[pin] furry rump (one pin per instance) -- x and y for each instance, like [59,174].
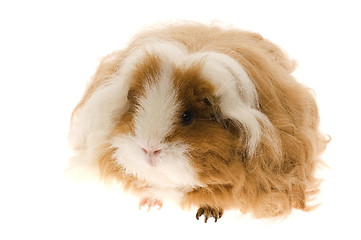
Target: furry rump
[267,177]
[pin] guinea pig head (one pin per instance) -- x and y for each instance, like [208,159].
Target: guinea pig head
[172,118]
[188,121]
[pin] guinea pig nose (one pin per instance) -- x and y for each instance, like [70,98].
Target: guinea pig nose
[151,156]
[152,152]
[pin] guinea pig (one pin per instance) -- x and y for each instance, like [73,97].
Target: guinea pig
[206,116]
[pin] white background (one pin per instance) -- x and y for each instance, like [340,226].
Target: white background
[49,50]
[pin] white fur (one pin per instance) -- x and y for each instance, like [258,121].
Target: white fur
[157,111]
[238,95]
[172,169]
[156,114]
[93,122]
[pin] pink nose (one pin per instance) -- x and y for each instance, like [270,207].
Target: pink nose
[151,155]
[155,152]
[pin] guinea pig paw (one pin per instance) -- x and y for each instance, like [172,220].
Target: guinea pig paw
[208,211]
[150,203]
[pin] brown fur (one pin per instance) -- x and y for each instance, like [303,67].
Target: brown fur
[268,183]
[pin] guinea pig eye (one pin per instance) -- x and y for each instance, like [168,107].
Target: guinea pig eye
[187,118]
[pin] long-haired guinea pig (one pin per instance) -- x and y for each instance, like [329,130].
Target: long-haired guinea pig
[203,115]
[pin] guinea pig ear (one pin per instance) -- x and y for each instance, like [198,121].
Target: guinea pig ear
[238,98]
[104,101]
[207,101]
[232,127]
[131,93]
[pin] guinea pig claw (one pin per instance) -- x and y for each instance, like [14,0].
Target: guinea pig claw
[199,213]
[208,211]
[150,203]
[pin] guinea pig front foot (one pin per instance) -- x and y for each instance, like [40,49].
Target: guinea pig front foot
[150,203]
[208,211]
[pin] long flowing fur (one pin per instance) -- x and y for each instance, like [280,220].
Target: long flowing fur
[277,175]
